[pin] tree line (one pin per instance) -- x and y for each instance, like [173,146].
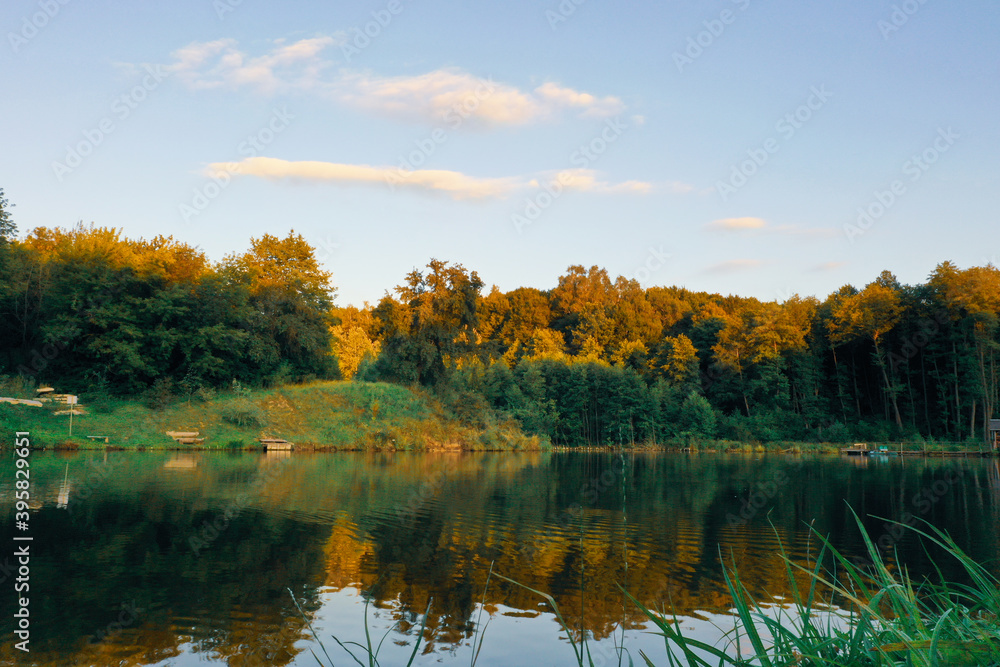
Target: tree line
[598,361]
[89,310]
[590,361]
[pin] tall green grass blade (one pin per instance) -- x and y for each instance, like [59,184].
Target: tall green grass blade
[309,625]
[739,594]
[555,608]
[479,620]
[420,633]
[675,635]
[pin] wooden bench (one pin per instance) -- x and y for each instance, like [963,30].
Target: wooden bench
[98,437]
[185,437]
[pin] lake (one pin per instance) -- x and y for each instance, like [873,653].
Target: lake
[142,558]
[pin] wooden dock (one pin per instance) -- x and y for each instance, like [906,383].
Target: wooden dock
[861,449]
[857,449]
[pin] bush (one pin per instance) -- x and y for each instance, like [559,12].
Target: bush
[17,386]
[837,432]
[244,414]
[204,395]
[697,416]
[159,395]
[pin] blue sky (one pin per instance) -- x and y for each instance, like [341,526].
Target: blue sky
[724,146]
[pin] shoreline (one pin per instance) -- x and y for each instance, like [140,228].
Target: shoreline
[826,449]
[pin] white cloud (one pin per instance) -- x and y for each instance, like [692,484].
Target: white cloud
[558,96]
[455,184]
[220,64]
[732,224]
[440,95]
[452,183]
[443,95]
[762,226]
[585,180]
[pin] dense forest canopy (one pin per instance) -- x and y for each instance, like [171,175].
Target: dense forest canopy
[590,361]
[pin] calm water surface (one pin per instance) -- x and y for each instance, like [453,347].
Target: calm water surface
[186,559]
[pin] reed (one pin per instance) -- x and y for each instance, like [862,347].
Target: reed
[840,614]
[888,618]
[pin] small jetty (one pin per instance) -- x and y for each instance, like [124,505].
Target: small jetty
[857,449]
[862,449]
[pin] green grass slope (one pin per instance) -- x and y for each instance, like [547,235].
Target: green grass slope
[324,415]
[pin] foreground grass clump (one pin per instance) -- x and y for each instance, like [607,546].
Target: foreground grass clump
[841,613]
[336,415]
[890,619]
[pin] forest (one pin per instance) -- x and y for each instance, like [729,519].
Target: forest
[590,361]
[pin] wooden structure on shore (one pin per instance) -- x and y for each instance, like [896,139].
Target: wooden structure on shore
[857,449]
[995,434]
[186,437]
[276,444]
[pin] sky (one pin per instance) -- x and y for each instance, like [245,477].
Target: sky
[735,146]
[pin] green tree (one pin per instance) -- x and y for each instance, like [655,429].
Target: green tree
[8,230]
[293,297]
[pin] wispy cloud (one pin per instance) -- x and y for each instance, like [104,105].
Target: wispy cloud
[585,180]
[220,64]
[829,266]
[451,183]
[306,66]
[759,225]
[732,224]
[734,265]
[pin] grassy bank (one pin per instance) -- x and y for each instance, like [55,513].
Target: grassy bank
[324,415]
[706,446]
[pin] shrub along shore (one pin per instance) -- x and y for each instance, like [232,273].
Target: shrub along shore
[332,416]
[320,415]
